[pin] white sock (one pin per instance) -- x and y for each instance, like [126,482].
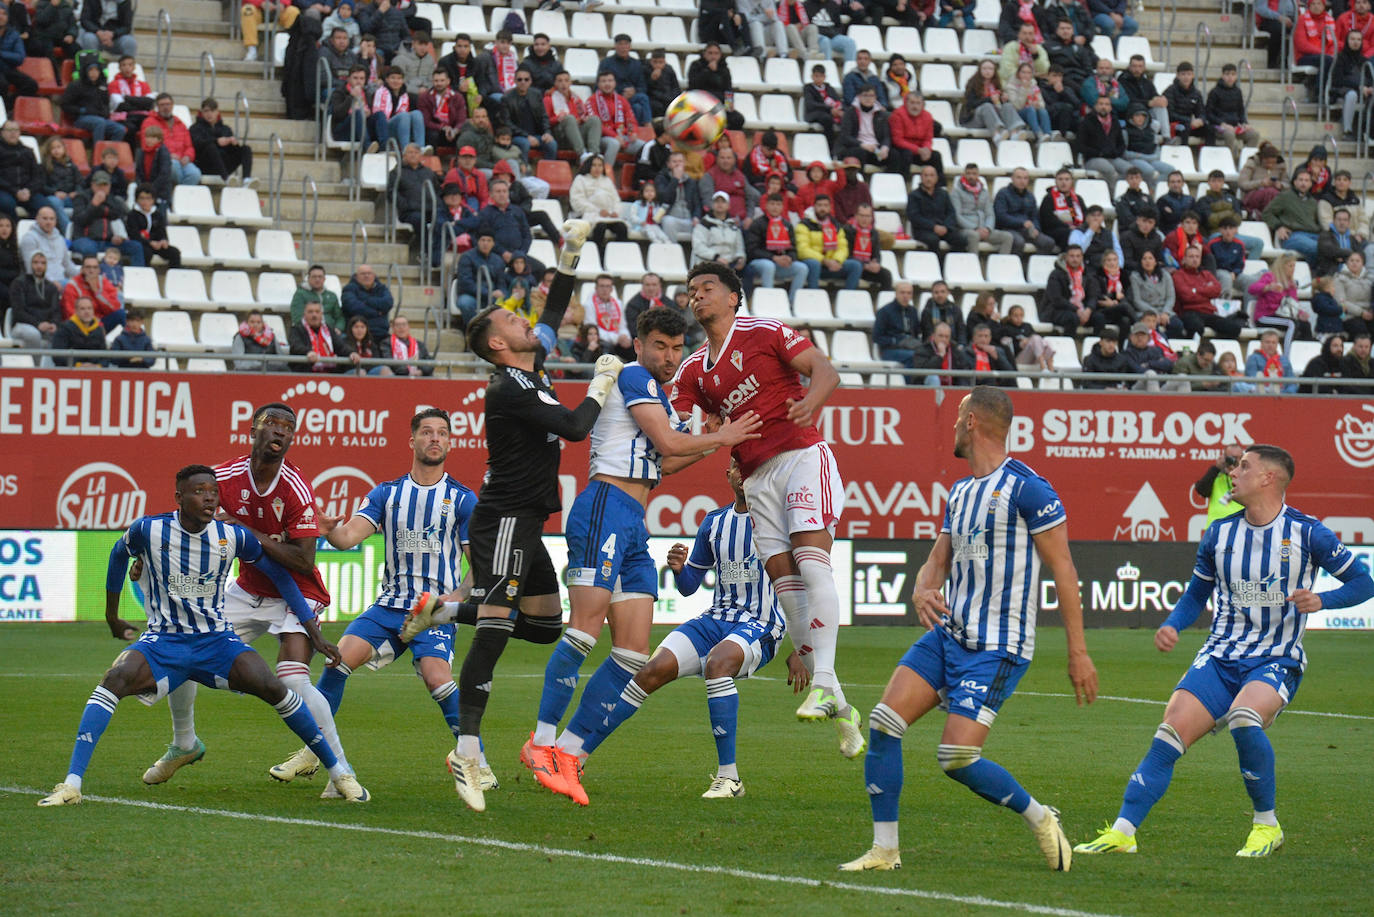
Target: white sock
[73,781]
[1124,827]
[572,744]
[545,733]
[728,770]
[340,769]
[791,593]
[182,703]
[885,834]
[1034,814]
[823,613]
[296,676]
[1266,818]
[470,746]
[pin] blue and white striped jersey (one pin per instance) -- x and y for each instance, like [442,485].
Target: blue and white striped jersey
[425,530]
[1254,569]
[185,573]
[995,570]
[619,447]
[725,542]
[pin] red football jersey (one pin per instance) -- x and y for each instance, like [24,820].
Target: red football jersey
[751,373]
[284,513]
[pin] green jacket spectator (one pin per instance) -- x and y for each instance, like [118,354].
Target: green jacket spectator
[314,291]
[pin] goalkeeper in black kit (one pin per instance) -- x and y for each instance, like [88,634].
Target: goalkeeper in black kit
[514,584]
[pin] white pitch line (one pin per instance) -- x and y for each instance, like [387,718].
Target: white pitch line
[540,849]
[1124,700]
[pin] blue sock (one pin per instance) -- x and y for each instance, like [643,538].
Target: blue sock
[722,703]
[627,706]
[331,685]
[446,696]
[1256,765]
[883,774]
[1151,778]
[599,698]
[298,717]
[560,675]
[992,781]
[99,708]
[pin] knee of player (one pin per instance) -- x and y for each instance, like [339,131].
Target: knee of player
[724,661]
[657,672]
[118,681]
[1244,717]
[954,758]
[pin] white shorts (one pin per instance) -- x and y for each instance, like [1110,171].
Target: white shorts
[795,491]
[251,616]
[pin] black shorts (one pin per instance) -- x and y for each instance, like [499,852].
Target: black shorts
[508,558]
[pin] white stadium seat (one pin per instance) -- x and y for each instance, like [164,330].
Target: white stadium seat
[185,287]
[242,207]
[171,330]
[276,290]
[217,329]
[232,289]
[277,248]
[229,248]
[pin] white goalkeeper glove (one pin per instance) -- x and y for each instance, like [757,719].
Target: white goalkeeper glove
[608,368]
[575,233]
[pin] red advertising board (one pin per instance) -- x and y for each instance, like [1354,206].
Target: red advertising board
[95,450]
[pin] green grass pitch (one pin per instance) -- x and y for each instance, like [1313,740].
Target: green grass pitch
[805,809]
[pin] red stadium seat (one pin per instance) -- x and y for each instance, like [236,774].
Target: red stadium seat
[557,173]
[77,151]
[35,117]
[627,188]
[42,73]
[126,156]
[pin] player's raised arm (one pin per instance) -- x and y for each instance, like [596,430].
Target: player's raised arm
[652,420]
[114,587]
[927,594]
[1053,546]
[817,367]
[1335,558]
[253,552]
[296,555]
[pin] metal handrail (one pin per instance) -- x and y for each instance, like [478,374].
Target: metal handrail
[1285,54]
[1364,185]
[1362,115]
[353,259]
[429,218]
[392,208]
[1199,61]
[447,269]
[308,225]
[1244,65]
[235,20]
[324,81]
[207,58]
[1168,32]
[163,47]
[276,171]
[1330,142]
[397,283]
[1324,75]
[241,104]
[1286,142]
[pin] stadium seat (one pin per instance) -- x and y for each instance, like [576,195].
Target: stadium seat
[808,148]
[171,330]
[1095,191]
[980,43]
[633,25]
[1065,352]
[1027,303]
[780,73]
[140,288]
[854,308]
[434,14]
[780,112]
[550,206]
[812,309]
[770,302]
[464,18]
[275,321]
[666,260]
[552,23]
[870,37]
[938,80]
[581,64]
[975,151]
[35,116]
[126,155]
[943,113]
[744,104]
[888,191]
[590,29]
[626,259]
[1128,45]
[206,365]
[216,330]
[543,251]
[1260,230]
[942,45]
[903,40]
[76,151]
[1005,274]
[185,288]
[1181,159]
[16,361]
[242,207]
[183,114]
[744,74]
[891,221]
[1053,155]
[277,248]
[589,265]
[232,289]
[1102,47]
[1226,345]
[374,170]
[1302,278]
[668,32]
[186,239]
[1010,155]
[1217,157]
[229,248]
[193,204]
[557,173]
[851,347]
[964,272]
[1038,270]
[276,290]
[921,268]
[1303,352]
[41,71]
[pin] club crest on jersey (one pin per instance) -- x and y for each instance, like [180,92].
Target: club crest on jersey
[737,360]
[243,494]
[1286,548]
[224,547]
[512,589]
[278,507]
[446,507]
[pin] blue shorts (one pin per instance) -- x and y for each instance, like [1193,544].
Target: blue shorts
[608,543]
[1216,682]
[381,628]
[175,658]
[693,641]
[971,683]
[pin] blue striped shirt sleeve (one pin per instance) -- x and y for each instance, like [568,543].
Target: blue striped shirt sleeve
[374,507]
[1039,505]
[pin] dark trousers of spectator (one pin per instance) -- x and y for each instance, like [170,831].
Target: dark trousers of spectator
[340,130]
[214,159]
[898,160]
[1323,63]
[171,253]
[718,27]
[1064,117]
[20,83]
[1066,320]
[128,248]
[1274,46]
[905,357]
[927,237]
[827,127]
[1120,316]
[1194,322]
[1208,132]
[1354,327]
[935,159]
[1059,231]
[541,219]
[604,228]
[881,279]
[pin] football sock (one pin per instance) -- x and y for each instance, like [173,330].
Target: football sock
[1151,778]
[727,770]
[823,610]
[791,593]
[560,681]
[182,703]
[543,629]
[296,677]
[1256,760]
[722,704]
[99,708]
[297,716]
[474,681]
[883,772]
[631,699]
[457,613]
[446,696]
[602,693]
[992,781]
[331,686]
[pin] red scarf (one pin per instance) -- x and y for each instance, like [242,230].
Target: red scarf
[1160,341]
[321,344]
[441,100]
[1067,203]
[1106,89]
[785,14]
[1076,284]
[612,111]
[981,361]
[404,348]
[834,102]
[263,337]
[608,314]
[1113,283]
[763,163]
[1025,11]
[1106,125]
[387,103]
[1319,180]
[975,189]
[946,364]
[1327,27]
[776,237]
[829,235]
[506,64]
[1273,366]
[863,244]
[903,82]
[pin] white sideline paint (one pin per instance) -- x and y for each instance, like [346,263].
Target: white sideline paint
[540,849]
[1100,697]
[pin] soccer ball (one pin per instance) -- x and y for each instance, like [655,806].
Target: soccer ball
[695,119]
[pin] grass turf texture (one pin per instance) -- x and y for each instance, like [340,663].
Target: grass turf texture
[805,810]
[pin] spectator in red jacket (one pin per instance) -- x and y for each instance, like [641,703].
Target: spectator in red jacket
[1194,290]
[818,181]
[1357,19]
[444,110]
[913,130]
[177,136]
[471,183]
[95,286]
[1314,43]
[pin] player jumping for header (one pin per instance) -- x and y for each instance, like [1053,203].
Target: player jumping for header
[187,558]
[790,478]
[1258,567]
